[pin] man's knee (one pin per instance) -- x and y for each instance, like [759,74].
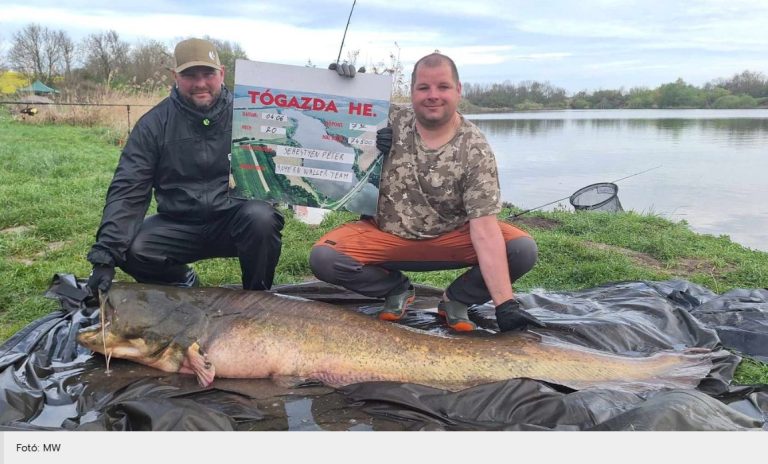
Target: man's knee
[321,259]
[522,254]
[261,217]
[146,264]
[142,250]
[331,266]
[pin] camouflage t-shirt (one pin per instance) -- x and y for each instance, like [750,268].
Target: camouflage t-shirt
[425,193]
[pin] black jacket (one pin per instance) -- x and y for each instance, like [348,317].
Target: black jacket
[183,155]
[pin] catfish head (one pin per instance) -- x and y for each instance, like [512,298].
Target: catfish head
[157,326]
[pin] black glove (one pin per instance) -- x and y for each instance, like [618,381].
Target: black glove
[101,278]
[384,140]
[345,70]
[509,316]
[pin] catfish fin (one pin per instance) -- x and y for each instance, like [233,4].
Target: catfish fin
[196,362]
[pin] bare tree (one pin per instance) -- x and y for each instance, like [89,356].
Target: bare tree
[67,49]
[148,64]
[2,54]
[352,56]
[394,68]
[39,52]
[747,82]
[105,55]
[53,54]
[26,54]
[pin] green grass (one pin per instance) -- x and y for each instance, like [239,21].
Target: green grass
[53,180]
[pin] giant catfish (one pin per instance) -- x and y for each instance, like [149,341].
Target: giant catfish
[245,334]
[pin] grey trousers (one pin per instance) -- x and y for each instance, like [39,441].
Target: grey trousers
[386,278]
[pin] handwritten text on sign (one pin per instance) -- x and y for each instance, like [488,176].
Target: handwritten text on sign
[312,154]
[316,173]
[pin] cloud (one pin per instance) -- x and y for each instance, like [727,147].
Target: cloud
[607,42]
[551,56]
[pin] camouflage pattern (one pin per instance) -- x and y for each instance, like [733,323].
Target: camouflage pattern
[425,193]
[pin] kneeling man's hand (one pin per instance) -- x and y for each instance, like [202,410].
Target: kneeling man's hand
[101,279]
[509,316]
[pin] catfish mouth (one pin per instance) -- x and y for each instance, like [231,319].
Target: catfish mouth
[95,337]
[109,344]
[91,338]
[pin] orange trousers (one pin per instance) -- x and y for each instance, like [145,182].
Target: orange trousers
[361,257]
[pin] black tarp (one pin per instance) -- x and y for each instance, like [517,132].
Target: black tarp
[48,382]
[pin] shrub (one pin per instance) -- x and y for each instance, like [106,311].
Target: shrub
[735,101]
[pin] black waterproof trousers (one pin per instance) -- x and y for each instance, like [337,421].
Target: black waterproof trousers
[164,246]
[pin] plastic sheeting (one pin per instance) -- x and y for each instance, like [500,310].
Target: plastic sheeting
[48,382]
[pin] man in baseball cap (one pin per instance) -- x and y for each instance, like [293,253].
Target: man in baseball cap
[180,150]
[199,74]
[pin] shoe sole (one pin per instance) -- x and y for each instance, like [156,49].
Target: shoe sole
[461,326]
[390,316]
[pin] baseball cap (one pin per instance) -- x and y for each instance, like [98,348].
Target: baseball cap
[196,52]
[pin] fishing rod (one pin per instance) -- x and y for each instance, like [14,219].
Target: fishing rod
[513,216]
[345,30]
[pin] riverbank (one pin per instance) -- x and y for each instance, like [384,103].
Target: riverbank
[54,178]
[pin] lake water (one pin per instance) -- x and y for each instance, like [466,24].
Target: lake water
[713,163]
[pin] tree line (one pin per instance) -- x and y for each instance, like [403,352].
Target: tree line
[103,59]
[100,59]
[747,89]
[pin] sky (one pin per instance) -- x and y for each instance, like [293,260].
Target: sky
[575,45]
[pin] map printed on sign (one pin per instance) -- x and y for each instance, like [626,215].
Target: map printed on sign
[307,136]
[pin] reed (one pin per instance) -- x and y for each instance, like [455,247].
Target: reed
[113,110]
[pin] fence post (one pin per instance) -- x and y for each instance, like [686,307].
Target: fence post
[128,107]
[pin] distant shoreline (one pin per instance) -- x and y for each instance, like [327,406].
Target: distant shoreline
[474,109]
